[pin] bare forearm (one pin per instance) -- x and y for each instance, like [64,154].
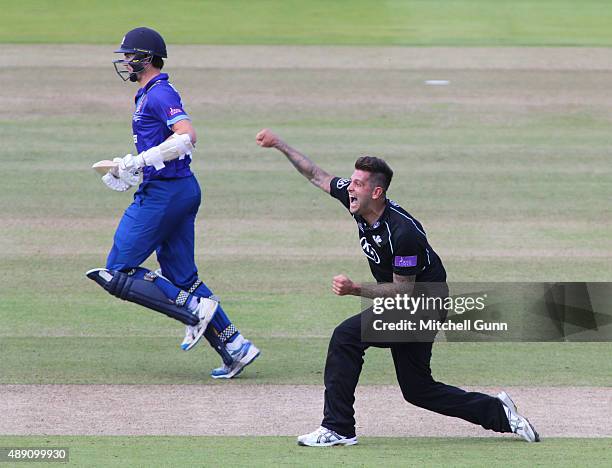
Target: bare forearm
[305,166]
[372,290]
[343,285]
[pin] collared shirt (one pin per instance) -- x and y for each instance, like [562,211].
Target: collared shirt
[395,243]
[158,107]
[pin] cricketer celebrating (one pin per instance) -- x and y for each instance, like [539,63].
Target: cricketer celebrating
[399,255]
[162,216]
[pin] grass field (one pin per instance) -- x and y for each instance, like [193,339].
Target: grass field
[348,22]
[280,451]
[508,190]
[508,169]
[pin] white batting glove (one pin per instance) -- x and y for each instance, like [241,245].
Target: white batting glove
[115,183]
[129,162]
[130,176]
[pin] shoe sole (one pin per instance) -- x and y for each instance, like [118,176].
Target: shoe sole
[508,402]
[536,436]
[338,443]
[204,321]
[196,339]
[252,354]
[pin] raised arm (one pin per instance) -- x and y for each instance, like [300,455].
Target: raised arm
[317,176]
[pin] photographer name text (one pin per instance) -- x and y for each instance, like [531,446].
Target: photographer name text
[436,325]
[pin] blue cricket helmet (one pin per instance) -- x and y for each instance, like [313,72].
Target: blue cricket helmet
[144,44]
[145,41]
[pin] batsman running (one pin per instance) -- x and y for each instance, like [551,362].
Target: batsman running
[399,255]
[162,216]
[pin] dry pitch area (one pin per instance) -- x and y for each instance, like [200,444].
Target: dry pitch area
[274,410]
[284,409]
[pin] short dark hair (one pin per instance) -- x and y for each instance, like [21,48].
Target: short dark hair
[157,62]
[378,168]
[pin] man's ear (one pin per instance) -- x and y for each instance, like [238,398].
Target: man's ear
[377,193]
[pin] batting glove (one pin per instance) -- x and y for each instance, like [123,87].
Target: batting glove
[128,174]
[115,183]
[130,162]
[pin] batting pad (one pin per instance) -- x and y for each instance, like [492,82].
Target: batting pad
[141,291]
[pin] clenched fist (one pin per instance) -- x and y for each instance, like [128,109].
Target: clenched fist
[267,139]
[342,285]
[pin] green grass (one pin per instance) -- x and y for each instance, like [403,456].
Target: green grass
[283,451]
[345,22]
[296,360]
[508,174]
[508,170]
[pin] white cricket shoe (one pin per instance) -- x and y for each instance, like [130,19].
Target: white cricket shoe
[241,358]
[518,424]
[206,310]
[324,437]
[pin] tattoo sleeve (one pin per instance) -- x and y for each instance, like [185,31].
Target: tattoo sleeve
[317,176]
[400,285]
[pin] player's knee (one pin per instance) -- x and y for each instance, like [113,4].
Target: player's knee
[342,335]
[114,263]
[417,394]
[412,396]
[337,334]
[138,286]
[123,280]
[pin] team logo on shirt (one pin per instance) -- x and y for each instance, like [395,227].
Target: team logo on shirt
[369,251]
[341,183]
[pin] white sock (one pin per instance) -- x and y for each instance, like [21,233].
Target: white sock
[237,342]
[192,305]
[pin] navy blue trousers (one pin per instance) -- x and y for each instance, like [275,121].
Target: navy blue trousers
[412,368]
[162,219]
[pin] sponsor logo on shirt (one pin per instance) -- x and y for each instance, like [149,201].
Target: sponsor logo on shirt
[173,111]
[369,251]
[377,239]
[410,261]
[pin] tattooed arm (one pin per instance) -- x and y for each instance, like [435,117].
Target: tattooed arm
[317,176]
[342,285]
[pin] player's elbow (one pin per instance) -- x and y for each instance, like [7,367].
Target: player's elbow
[193,137]
[323,180]
[189,130]
[184,127]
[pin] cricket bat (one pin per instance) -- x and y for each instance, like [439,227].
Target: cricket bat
[104,166]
